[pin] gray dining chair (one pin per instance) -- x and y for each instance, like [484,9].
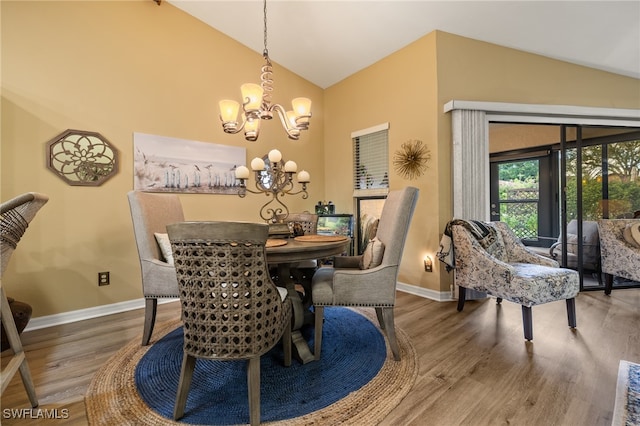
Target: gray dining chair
[363,280]
[231,310]
[151,213]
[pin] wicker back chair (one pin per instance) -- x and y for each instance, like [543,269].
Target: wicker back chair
[15,216]
[17,213]
[231,309]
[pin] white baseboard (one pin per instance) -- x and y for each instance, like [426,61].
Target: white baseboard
[88,313]
[438,296]
[129,305]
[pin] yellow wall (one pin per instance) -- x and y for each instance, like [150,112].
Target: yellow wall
[119,67]
[506,137]
[400,89]
[122,67]
[438,68]
[477,71]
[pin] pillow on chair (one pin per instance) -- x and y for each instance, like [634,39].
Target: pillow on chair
[372,255]
[631,234]
[165,247]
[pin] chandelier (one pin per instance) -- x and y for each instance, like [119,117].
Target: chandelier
[257,106]
[274,181]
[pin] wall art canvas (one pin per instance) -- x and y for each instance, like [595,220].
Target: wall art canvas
[164,164]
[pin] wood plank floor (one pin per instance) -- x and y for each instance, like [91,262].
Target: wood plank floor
[475,368]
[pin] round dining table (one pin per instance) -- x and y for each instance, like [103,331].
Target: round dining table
[285,254]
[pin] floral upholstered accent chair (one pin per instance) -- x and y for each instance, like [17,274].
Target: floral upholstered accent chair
[500,265]
[620,250]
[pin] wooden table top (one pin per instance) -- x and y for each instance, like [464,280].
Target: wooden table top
[295,251]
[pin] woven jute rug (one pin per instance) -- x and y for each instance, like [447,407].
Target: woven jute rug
[112,397]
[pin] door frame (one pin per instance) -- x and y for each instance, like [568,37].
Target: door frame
[470,143]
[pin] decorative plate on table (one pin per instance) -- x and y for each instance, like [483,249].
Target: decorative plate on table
[272,242]
[313,238]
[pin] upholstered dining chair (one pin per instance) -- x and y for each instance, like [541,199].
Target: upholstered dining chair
[231,310]
[151,213]
[368,280]
[620,250]
[15,216]
[490,258]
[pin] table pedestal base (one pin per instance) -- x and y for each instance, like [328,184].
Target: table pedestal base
[283,257]
[300,346]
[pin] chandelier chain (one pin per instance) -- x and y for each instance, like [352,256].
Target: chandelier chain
[266,79]
[257,105]
[265,52]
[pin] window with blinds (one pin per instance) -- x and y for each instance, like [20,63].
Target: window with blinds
[371,161]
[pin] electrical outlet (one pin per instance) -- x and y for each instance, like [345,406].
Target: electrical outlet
[103,278]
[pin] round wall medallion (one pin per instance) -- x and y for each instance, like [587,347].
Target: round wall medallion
[410,161]
[82,158]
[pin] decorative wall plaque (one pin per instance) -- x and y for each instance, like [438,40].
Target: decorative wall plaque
[411,159]
[82,158]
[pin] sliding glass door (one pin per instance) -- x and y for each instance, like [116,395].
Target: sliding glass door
[602,183]
[555,193]
[521,192]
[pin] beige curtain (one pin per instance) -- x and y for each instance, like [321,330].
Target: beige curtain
[470,165]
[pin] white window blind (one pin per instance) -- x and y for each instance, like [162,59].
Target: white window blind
[371,161]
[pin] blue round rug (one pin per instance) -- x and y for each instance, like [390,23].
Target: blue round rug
[356,381]
[353,352]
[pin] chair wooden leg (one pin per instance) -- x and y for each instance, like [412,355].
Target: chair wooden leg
[150,309]
[253,382]
[462,293]
[390,330]
[18,361]
[319,319]
[380,317]
[571,312]
[527,322]
[186,374]
[608,285]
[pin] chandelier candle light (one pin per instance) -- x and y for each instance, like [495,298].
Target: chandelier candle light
[275,182]
[257,106]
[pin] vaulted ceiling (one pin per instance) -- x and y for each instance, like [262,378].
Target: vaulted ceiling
[326,41]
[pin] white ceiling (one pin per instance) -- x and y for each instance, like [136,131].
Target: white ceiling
[326,41]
